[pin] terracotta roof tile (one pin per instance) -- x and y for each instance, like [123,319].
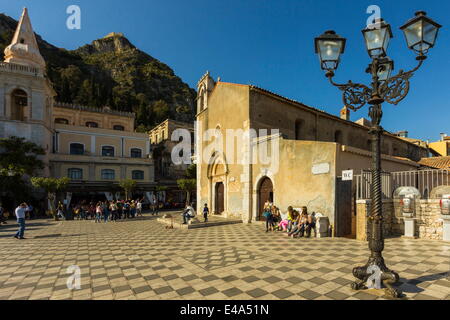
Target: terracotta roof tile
[436,162]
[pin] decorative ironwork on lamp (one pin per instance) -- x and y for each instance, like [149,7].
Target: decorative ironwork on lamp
[421,33]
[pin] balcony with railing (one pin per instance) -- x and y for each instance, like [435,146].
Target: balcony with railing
[22,69]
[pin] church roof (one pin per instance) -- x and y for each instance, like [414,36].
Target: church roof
[302,105]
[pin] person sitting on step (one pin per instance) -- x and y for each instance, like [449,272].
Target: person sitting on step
[188,213]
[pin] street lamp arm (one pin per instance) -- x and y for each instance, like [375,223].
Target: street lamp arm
[355,95]
[396,89]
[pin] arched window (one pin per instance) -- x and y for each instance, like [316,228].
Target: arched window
[137,175]
[298,129]
[91,124]
[202,100]
[76,149]
[107,151]
[75,174]
[61,121]
[136,153]
[338,137]
[19,100]
[119,128]
[108,174]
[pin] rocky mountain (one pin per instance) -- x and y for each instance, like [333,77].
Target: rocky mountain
[112,72]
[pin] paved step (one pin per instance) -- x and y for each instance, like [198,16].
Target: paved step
[176,222]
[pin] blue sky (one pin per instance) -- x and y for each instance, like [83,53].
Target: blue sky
[265,43]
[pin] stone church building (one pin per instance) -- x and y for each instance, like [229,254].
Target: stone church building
[309,153]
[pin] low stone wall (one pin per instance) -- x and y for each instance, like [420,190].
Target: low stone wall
[429,223]
[362,214]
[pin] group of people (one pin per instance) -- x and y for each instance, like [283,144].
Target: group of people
[104,210]
[295,224]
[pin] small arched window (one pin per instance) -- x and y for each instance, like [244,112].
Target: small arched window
[137,175]
[75,174]
[108,174]
[107,151]
[61,121]
[91,124]
[136,153]
[202,100]
[19,102]
[119,128]
[76,149]
[338,137]
[298,129]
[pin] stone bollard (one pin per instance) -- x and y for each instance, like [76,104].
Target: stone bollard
[322,226]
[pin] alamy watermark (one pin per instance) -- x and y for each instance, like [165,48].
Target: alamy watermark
[74,280]
[241,146]
[74,20]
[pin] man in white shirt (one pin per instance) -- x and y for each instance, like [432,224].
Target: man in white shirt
[139,208]
[188,213]
[20,215]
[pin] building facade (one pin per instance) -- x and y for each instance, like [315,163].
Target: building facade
[307,152]
[95,148]
[167,172]
[442,147]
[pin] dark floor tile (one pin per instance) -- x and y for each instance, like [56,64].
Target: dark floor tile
[163,290]
[282,294]
[185,291]
[256,293]
[232,292]
[208,291]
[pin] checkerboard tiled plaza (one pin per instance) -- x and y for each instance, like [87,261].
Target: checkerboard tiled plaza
[141,260]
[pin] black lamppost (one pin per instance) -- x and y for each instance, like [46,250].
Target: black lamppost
[421,33]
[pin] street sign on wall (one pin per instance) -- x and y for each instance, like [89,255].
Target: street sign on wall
[347,175]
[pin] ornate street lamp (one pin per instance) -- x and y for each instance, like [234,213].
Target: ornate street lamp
[421,33]
[377,37]
[329,46]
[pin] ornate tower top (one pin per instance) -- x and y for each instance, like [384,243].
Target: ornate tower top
[24,49]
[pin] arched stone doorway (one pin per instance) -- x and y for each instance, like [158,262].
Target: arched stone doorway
[220,198]
[265,192]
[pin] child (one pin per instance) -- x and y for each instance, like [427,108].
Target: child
[205,212]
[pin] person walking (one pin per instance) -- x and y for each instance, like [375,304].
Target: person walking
[205,212]
[105,211]
[139,208]
[60,212]
[20,215]
[98,213]
[155,206]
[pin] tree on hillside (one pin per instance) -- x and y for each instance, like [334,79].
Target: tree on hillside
[161,110]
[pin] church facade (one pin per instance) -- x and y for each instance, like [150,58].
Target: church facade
[307,149]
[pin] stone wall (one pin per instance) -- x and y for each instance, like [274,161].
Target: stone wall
[362,214]
[429,223]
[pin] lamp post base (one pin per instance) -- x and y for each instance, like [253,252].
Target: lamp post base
[376,271]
